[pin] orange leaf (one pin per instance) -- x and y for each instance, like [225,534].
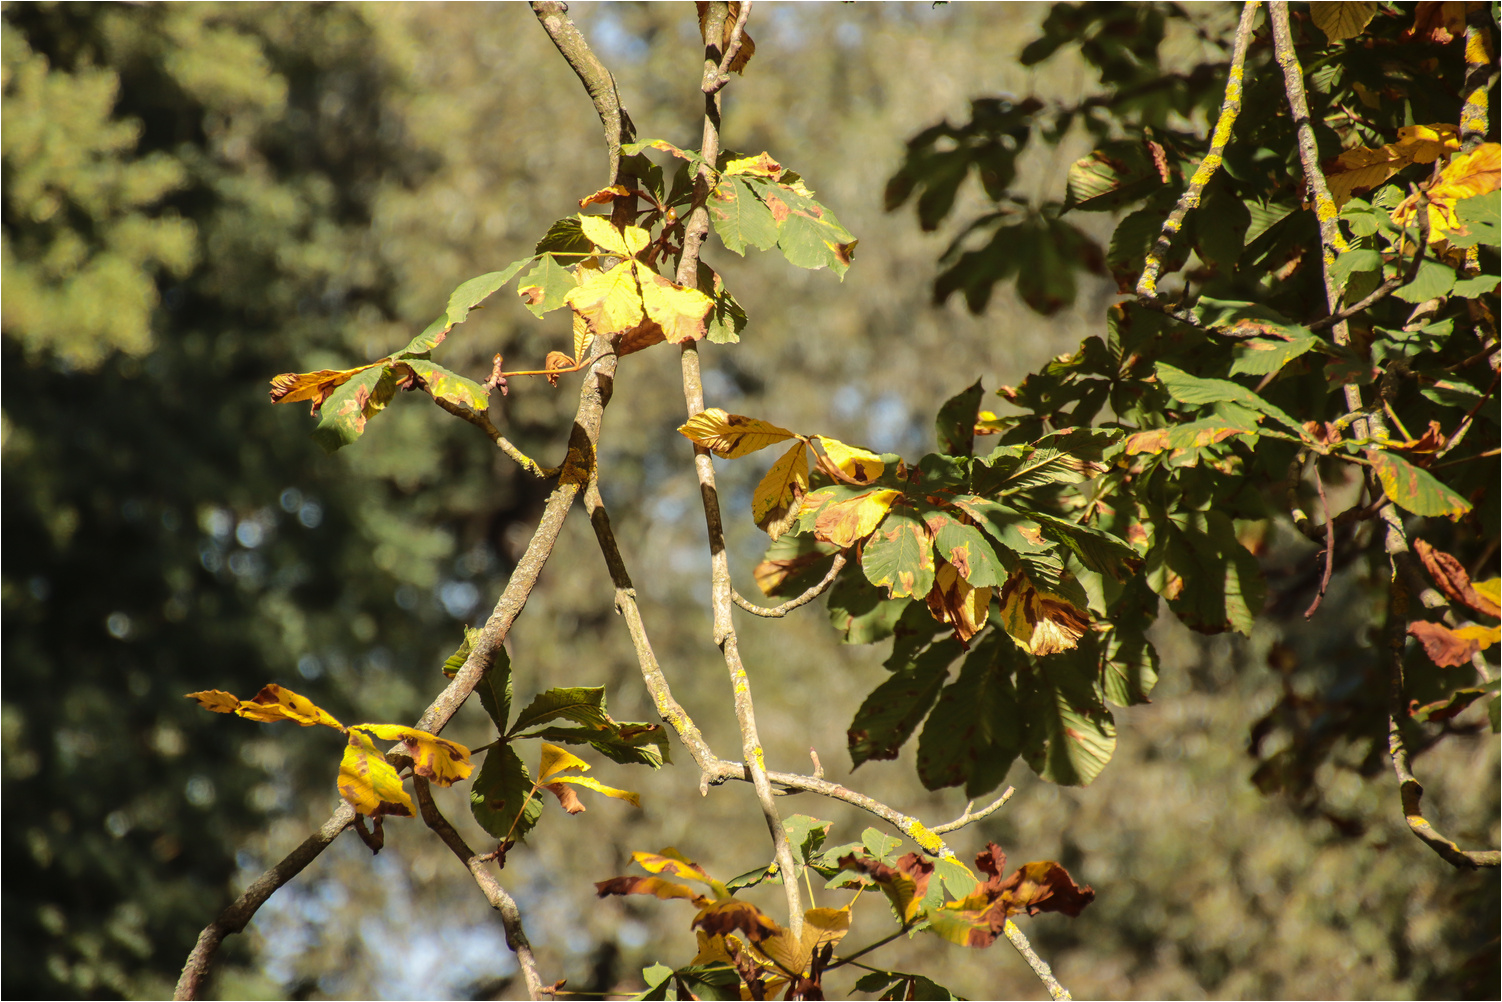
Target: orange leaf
[719,918]
[1445,649]
[655,886]
[1468,174]
[1453,580]
[567,798]
[605,195]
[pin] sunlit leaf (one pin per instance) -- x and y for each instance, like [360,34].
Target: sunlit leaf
[731,435]
[667,890]
[608,300]
[442,384]
[271,704]
[443,761]
[845,521]
[740,218]
[546,287]
[678,311]
[1445,647]
[555,760]
[954,601]
[292,387]
[593,784]
[605,235]
[777,498]
[1416,489]
[899,557]
[368,782]
[1041,622]
[1451,576]
[860,465]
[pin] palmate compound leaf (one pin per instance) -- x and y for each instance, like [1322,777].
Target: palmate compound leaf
[368,782]
[975,731]
[271,704]
[894,709]
[1040,621]
[443,761]
[501,798]
[779,495]
[732,435]
[1416,489]
[1189,389]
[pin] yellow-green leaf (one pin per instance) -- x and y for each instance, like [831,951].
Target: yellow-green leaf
[291,387]
[762,165]
[731,435]
[368,782]
[678,311]
[443,761]
[609,300]
[844,522]
[775,503]
[1416,489]
[1342,19]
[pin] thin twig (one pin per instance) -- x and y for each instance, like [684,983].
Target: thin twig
[694,232]
[1465,422]
[970,817]
[234,918]
[482,422]
[1324,581]
[732,49]
[1040,966]
[502,902]
[1410,789]
[1147,284]
[1480,66]
[778,611]
[1384,290]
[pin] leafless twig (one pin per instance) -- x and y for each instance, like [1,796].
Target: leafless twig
[813,592]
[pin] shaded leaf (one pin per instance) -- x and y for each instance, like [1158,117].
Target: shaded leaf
[581,704]
[1453,580]
[955,423]
[501,797]
[893,710]
[1445,648]
[667,890]
[1342,20]
[1070,735]
[975,730]
[779,495]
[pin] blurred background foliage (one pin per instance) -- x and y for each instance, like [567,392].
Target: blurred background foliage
[199,196]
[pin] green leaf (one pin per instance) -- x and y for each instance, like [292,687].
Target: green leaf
[581,704]
[1189,389]
[957,878]
[1100,551]
[899,556]
[499,796]
[474,292]
[859,611]
[542,289]
[974,732]
[956,421]
[1119,173]
[1259,356]
[495,689]
[808,234]
[566,236]
[805,835]
[346,411]
[626,743]
[972,554]
[1210,580]
[1416,489]
[1480,218]
[1131,669]
[740,218]
[880,845]
[1070,735]
[894,709]
[895,986]
[659,978]
[726,319]
[1433,279]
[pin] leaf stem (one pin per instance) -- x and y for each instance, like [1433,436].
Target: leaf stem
[813,592]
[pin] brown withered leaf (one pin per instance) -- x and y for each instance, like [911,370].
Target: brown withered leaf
[604,196]
[748,47]
[978,919]
[557,362]
[1444,647]
[290,387]
[1041,622]
[567,798]
[1453,580]
[952,600]
[1439,23]
[904,885]
[719,918]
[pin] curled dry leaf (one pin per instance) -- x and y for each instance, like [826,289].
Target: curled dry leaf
[271,704]
[952,600]
[291,387]
[1446,648]
[1041,622]
[1453,580]
[1467,175]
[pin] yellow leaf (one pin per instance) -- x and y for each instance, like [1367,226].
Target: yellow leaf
[678,311]
[609,301]
[731,435]
[952,600]
[858,464]
[1490,590]
[844,522]
[777,499]
[582,337]
[443,761]
[1424,144]
[1484,636]
[598,787]
[368,782]
[217,700]
[603,234]
[1466,176]
[555,760]
[1040,622]
[821,926]
[672,861]
[761,165]
[274,703]
[1362,169]
[290,387]
[711,950]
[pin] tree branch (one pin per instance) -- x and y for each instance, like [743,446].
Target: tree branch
[970,818]
[1040,966]
[778,611]
[694,231]
[553,16]
[511,918]
[1410,789]
[1147,284]
[234,918]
